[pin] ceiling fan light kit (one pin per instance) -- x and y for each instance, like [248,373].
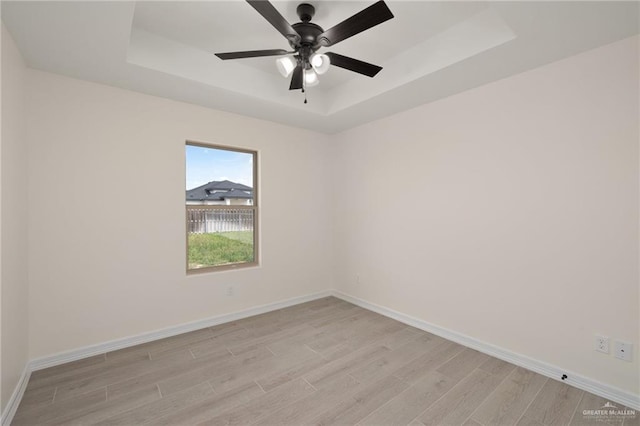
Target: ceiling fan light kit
[305,38]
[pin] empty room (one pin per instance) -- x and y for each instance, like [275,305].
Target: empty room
[320,213]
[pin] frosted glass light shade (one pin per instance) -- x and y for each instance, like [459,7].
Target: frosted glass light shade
[320,63]
[285,65]
[310,78]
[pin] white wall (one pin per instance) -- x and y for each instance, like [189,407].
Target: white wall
[106,217]
[13,223]
[518,224]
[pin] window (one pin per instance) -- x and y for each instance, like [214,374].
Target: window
[221,207]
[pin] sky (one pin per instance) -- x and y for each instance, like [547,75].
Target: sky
[208,164]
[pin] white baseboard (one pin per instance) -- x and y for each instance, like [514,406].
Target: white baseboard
[554,372]
[16,397]
[100,348]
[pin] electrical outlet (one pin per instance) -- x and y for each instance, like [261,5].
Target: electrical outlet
[623,350]
[602,344]
[230,291]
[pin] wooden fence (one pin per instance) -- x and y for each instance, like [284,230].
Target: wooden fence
[208,219]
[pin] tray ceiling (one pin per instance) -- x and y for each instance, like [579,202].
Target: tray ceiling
[430,50]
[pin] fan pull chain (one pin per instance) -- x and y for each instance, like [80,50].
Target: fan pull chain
[304,83]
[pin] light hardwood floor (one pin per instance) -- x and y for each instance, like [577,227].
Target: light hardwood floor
[318,363]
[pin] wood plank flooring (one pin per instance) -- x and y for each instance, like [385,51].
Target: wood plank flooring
[325,362]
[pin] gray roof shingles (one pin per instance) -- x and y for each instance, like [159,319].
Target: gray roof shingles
[219,190]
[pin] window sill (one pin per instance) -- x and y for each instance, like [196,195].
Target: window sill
[223,268]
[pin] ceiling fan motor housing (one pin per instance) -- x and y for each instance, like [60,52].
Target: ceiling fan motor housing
[309,33]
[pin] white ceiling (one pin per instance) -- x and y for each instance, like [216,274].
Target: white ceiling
[430,50]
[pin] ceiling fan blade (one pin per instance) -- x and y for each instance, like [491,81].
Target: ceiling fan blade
[353,64]
[373,15]
[296,79]
[274,17]
[252,54]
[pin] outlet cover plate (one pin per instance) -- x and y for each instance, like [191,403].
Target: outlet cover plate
[623,350]
[602,344]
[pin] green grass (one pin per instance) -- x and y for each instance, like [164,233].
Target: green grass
[242,236]
[220,249]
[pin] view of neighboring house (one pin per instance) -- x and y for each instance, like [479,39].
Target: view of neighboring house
[221,193]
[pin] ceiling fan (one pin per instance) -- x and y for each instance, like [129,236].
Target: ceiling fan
[305,38]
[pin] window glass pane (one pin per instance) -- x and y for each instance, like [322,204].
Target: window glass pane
[220,207]
[217,175]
